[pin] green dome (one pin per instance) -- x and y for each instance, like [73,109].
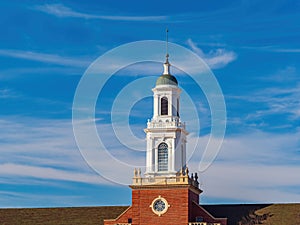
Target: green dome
[166,79]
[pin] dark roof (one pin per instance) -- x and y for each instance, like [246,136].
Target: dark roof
[275,214]
[245,214]
[233,213]
[60,216]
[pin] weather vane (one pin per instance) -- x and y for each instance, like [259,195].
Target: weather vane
[167,55]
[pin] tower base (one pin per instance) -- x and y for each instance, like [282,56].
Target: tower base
[165,200]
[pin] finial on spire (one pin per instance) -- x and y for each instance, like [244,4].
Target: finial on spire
[167,64]
[167,42]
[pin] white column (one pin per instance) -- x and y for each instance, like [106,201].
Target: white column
[173,104]
[173,155]
[156,158]
[155,105]
[169,105]
[149,153]
[152,160]
[184,151]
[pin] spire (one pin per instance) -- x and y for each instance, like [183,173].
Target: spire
[167,64]
[167,53]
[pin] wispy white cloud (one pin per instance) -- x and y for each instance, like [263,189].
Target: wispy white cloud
[275,101]
[288,50]
[39,142]
[250,165]
[215,58]
[42,172]
[252,184]
[21,198]
[279,97]
[46,58]
[272,48]
[12,73]
[60,10]
[46,150]
[285,75]
[281,101]
[6,93]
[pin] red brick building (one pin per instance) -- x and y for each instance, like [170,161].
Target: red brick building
[167,194]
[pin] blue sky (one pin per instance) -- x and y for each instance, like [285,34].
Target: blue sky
[252,47]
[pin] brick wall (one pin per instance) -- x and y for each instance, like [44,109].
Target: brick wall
[177,198]
[193,197]
[183,201]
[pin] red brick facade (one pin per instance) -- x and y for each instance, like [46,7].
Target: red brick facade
[183,206]
[177,198]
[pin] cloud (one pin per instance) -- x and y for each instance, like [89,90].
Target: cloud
[46,149]
[252,184]
[288,50]
[23,199]
[12,73]
[39,142]
[46,58]
[281,101]
[285,75]
[215,59]
[41,172]
[7,93]
[253,167]
[246,165]
[271,48]
[60,10]
[275,101]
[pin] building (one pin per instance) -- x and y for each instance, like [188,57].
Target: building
[237,214]
[168,194]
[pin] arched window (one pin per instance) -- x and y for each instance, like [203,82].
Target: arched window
[163,157]
[164,106]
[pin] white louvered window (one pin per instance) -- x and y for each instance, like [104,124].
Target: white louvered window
[163,157]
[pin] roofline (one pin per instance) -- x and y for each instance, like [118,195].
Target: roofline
[119,215]
[219,218]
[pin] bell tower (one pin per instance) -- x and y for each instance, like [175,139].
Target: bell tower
[167,189]
[165,133]
[167,194]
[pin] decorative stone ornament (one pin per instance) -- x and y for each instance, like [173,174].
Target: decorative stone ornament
[159,206]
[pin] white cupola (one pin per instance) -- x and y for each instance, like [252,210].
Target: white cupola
[166,134]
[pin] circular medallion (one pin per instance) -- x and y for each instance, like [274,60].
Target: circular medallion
[159,206]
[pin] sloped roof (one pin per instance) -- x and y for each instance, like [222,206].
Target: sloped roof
[245,214]
[60,216]
[268,214]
